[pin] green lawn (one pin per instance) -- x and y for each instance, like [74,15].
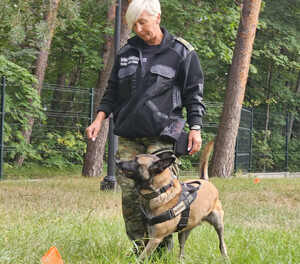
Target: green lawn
[262,222]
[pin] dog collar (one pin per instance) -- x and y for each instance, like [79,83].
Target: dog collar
[162,190]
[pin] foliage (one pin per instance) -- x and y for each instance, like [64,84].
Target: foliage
[61,150]
[276,49]
[211,28]
[21,101]
[75,50]
[75,59]
[77,45]
[263,156]
[14,73]
[294,155]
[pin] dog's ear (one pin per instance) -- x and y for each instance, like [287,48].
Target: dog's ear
[160,165]
[165,154]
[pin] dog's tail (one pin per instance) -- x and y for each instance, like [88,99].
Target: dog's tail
[203,164]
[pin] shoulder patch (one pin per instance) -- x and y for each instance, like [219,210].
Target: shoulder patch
[185,43]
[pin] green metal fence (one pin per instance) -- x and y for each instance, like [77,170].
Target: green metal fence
[60,139]
[2,124]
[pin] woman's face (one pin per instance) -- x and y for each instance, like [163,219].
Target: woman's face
[148,29]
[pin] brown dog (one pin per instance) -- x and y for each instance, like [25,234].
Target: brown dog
[150,173]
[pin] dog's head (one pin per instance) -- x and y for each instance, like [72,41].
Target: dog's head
[145,167]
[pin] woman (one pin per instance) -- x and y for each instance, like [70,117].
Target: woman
[154,76]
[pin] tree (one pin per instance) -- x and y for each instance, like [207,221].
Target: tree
[272,83]
[222,159]
[95,150]
[41,63]
[210,26]
[77,57]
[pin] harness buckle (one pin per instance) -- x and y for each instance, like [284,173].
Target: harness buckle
[171,213]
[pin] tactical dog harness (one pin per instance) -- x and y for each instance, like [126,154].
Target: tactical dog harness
[188,195]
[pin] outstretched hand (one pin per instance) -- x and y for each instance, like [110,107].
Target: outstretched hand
[93,130]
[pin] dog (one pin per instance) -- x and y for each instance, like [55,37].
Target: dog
[160,193]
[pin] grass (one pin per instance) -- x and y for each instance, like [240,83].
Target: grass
[36,171]
[86,226]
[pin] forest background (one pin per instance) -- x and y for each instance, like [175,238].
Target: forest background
[74,36]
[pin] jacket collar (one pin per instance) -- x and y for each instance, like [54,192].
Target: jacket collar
[137,42]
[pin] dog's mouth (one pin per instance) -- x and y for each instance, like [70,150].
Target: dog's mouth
[126,172]
[126,168]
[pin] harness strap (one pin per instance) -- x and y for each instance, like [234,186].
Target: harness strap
[184,219]
[188,195]
[152,195]
[187,189]
[162,190]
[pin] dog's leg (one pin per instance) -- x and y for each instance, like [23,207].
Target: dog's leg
[182,237]
[166,244]
[151,246]
[216,219]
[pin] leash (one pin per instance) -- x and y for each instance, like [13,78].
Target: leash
[188,195]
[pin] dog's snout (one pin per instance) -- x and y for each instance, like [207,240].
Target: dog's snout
[127,168]
[118,163]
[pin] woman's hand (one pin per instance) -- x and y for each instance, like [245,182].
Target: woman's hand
[195,142]
[93,130]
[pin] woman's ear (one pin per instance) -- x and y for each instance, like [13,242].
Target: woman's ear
[158,18]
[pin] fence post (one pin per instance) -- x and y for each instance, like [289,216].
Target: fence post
[251,135]
[2,124]
[236,152]
[286,141]
[91,104]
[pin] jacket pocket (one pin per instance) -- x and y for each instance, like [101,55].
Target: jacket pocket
[126,81]
[160,79]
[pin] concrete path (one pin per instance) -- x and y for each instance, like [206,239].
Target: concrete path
[273,175]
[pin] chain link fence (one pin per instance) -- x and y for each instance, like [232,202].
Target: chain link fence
[266,142]
[58,134]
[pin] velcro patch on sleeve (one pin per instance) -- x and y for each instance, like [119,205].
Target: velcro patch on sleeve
[185,43]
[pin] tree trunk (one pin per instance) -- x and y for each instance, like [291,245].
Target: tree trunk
[108,59]
[223,156]
[93,163]
[41,64]
[42,59]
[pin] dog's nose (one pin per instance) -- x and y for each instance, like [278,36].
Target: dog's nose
[119,163]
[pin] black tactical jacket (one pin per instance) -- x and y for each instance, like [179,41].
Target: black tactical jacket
[144,105]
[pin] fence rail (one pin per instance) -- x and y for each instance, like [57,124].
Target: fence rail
[60,140]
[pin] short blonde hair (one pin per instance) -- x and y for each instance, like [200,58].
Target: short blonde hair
[136,7]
